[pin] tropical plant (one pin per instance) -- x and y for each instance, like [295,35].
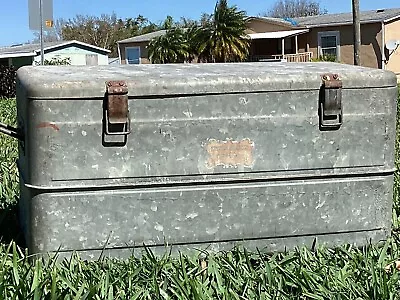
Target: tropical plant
[196,38]
[172,47]
[220,37]
[227,40]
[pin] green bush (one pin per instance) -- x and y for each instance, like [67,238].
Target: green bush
[328,57]
[8,155]
[56,61]
[8,77]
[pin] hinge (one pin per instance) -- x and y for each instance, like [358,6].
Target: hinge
[117,112]
[330,112]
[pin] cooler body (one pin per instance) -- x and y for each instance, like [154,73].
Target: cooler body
[197,156]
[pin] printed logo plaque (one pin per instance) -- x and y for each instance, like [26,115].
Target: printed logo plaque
[230,153]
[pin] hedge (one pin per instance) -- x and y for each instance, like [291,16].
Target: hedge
[7,82]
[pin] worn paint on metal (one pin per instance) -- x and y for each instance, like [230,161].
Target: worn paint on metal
[48,125]
[230,153]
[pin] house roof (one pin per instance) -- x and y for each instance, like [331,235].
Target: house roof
[371,16]
[277,34]
[34,49]
[143,38]
[278,21]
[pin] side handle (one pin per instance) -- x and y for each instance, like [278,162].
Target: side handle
[11,131]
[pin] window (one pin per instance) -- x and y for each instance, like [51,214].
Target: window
[132,55]
[92,59]
[329,44]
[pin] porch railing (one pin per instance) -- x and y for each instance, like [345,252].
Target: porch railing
[299,57]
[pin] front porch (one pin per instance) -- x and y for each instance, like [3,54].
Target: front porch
[299,57]
[278,46]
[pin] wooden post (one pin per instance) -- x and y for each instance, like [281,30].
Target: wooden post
[283,48]
[356,31]
[296,44]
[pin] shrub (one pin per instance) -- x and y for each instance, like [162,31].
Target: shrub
[7,81]
[328,57]
[56,61]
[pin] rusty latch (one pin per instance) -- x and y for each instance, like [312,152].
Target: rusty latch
[117,112]
[331,115]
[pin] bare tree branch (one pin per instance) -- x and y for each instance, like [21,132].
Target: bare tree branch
[295,8]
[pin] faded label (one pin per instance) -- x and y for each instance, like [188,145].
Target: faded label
[230,153]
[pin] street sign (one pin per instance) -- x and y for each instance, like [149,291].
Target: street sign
[49,23]
[34,14]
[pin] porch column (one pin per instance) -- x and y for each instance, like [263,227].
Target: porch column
[296,44]
[9,61]
[283,47]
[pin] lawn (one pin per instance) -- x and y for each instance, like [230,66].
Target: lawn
[319,273]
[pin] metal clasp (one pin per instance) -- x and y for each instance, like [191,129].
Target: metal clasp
[117,119]
[330,106]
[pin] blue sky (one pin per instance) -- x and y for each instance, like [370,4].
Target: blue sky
[14,26]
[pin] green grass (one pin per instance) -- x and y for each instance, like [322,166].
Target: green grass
[8,156]
[319,273]
[8,175]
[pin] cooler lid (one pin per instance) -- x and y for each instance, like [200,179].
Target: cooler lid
[60,82]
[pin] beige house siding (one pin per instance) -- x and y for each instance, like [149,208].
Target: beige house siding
[143,52]
[370,51]
[392,32]
[256,26]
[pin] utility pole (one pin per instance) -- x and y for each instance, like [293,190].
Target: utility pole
[40,19]
[41,32]
[356,31]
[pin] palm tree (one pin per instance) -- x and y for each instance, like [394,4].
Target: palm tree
[196,38]
[225,30]
[169,48]
[220,37]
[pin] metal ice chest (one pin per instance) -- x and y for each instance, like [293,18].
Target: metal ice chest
[266,155]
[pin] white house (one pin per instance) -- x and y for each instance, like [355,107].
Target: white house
[79,53]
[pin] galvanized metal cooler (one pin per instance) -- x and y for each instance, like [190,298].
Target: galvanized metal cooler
[268,155]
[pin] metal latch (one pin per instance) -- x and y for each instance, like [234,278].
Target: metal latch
[330,115]
[117,114]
